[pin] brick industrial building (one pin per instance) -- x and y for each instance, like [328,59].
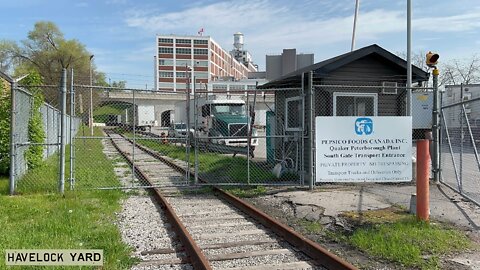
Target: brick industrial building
[210,62]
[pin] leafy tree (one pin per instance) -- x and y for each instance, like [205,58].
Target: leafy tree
[6,55]
[119,84]
[4,129]
[36,132]
[47,51]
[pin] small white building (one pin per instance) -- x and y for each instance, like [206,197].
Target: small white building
[454,115]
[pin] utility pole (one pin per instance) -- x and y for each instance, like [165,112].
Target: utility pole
[436,127]
[357,7]
[409,57]
[431,61]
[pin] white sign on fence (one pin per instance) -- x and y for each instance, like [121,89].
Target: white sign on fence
[363,149]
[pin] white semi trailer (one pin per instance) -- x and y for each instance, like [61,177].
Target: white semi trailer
[144,117]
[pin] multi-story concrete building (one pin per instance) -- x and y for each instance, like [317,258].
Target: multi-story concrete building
[287,62]
[210,62]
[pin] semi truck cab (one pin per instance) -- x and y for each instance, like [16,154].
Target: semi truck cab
[228,119]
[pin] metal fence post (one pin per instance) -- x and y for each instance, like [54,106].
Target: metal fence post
[312,130]
[436,128]
[302,155]
[134,129]
[63,126]
[195,137]
[72,147]
[187,138]
[13,86]
[462,137]
[248,132]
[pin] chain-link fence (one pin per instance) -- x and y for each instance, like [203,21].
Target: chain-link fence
[216,138]
[460,140]
[238,140]
[36,138]
[138,123]
[244,137]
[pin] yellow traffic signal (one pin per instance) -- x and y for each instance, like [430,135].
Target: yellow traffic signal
[432,59]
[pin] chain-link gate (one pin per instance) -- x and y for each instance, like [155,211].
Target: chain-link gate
[460,140]
[36,138]
[238,140]
[131,122]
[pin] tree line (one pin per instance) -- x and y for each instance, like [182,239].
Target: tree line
[41,58]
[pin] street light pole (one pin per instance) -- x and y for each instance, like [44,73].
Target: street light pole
[357,6]
[409,57]
[90,112]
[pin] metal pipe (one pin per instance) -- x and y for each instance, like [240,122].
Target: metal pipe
[469,198]
[475,150]
[409,57]
[442,117]
[248,143]
[312,131]
[134,129]
[436,128]
[72,130]
[302,170]
[90,112]
[357,7]
[460,103]
[451,151]
[63,129]
[13,112]
[187,104]
[195,135]
[462,137]
[423,191]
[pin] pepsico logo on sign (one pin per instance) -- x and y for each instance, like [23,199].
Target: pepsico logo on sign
[363,126]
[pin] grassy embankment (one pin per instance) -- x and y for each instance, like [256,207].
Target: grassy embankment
[217,167]
[40,218]
[397,236]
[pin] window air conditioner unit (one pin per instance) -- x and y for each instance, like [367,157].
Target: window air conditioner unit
[389,88]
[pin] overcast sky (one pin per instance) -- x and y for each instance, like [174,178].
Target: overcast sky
[121,33]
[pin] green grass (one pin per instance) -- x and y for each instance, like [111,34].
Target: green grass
[217,167]
[101,114]
[247,192]
[409,242]
[40,218]
[311,227]
[393,235]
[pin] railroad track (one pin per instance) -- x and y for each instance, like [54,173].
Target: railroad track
[219,231]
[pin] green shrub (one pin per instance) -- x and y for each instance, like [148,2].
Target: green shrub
[4,129]
[36,133]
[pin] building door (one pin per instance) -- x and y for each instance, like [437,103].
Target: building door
[165,118]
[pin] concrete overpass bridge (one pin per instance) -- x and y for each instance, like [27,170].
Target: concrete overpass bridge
[164,103]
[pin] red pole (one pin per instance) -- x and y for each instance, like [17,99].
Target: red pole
[423,189]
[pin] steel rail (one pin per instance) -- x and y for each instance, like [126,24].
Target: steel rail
[197,258]
[321,255]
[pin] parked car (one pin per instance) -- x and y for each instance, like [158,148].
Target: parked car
[177,130]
